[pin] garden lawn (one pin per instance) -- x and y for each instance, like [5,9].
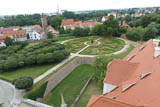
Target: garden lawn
[93,88]
[108,45]
[33,71]
[78,44]
[70,86]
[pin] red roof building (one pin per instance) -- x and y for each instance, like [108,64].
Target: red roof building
[71,24]
[132,81]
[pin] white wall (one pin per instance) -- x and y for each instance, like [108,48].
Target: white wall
[2,44]
[108,88]
[35,36]
[103,19]
[20,39]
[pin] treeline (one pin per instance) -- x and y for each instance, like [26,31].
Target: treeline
[16,56]
[54,21]
[145,28]
[20,20]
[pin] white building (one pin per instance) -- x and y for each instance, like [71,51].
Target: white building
[2,44]
[113,14]
[33,35]
[104,18]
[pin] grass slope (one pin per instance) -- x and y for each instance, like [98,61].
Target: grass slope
[33,71]
[70,86]
[93,88]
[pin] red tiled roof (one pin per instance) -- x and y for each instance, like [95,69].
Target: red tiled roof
[13,34]
[145,92]
[67,22]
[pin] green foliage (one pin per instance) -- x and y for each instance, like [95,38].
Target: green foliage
[111,26]
[20,20]
[136,34]
[80,32]
[147,19]
[8,41]
[55,21]
[16,56]
[6,78]
[68,14]
[36,92]
[10,63]
[49,35]
[23,83]
[100,66]
[98,30]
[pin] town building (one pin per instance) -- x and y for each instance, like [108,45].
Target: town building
[132,81]
[71,24]
[124,24]
[112,14]
[104,18]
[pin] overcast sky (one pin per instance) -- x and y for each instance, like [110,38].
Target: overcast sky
[10,7]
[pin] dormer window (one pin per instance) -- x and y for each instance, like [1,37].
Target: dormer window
[126,87]
[145,75]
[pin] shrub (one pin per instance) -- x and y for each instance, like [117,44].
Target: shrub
[23,83]
[30,60]
[10,63]
[37,92]
[41,59]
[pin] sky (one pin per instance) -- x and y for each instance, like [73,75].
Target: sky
[11,7]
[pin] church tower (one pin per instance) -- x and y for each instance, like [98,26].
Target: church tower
[44,22]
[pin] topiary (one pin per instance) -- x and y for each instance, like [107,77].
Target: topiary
[23,83]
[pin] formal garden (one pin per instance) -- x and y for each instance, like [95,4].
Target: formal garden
[97,45]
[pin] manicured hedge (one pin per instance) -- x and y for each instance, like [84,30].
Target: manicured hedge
[6,79]
[15,56]
[37,92]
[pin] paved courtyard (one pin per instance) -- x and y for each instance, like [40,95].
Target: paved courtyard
[7,93]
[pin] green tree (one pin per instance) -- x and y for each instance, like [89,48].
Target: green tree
[8,41]
[100,64]
[55,21]
[136,34]
[68,14]
[49,35]
[98,30]
[111,26]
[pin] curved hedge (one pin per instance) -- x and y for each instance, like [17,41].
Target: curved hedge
[37,92]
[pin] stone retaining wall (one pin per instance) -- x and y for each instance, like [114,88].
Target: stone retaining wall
[65,71]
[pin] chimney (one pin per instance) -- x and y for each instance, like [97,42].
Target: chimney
[156,42]
[156,51]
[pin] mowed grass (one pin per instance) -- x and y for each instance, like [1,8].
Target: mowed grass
[33,71]
[78,44]
[93,88]
[70,87]
[108,45]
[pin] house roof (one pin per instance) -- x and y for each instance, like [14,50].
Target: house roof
[139,86]
[12,34]
[106,17]
[67,22]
